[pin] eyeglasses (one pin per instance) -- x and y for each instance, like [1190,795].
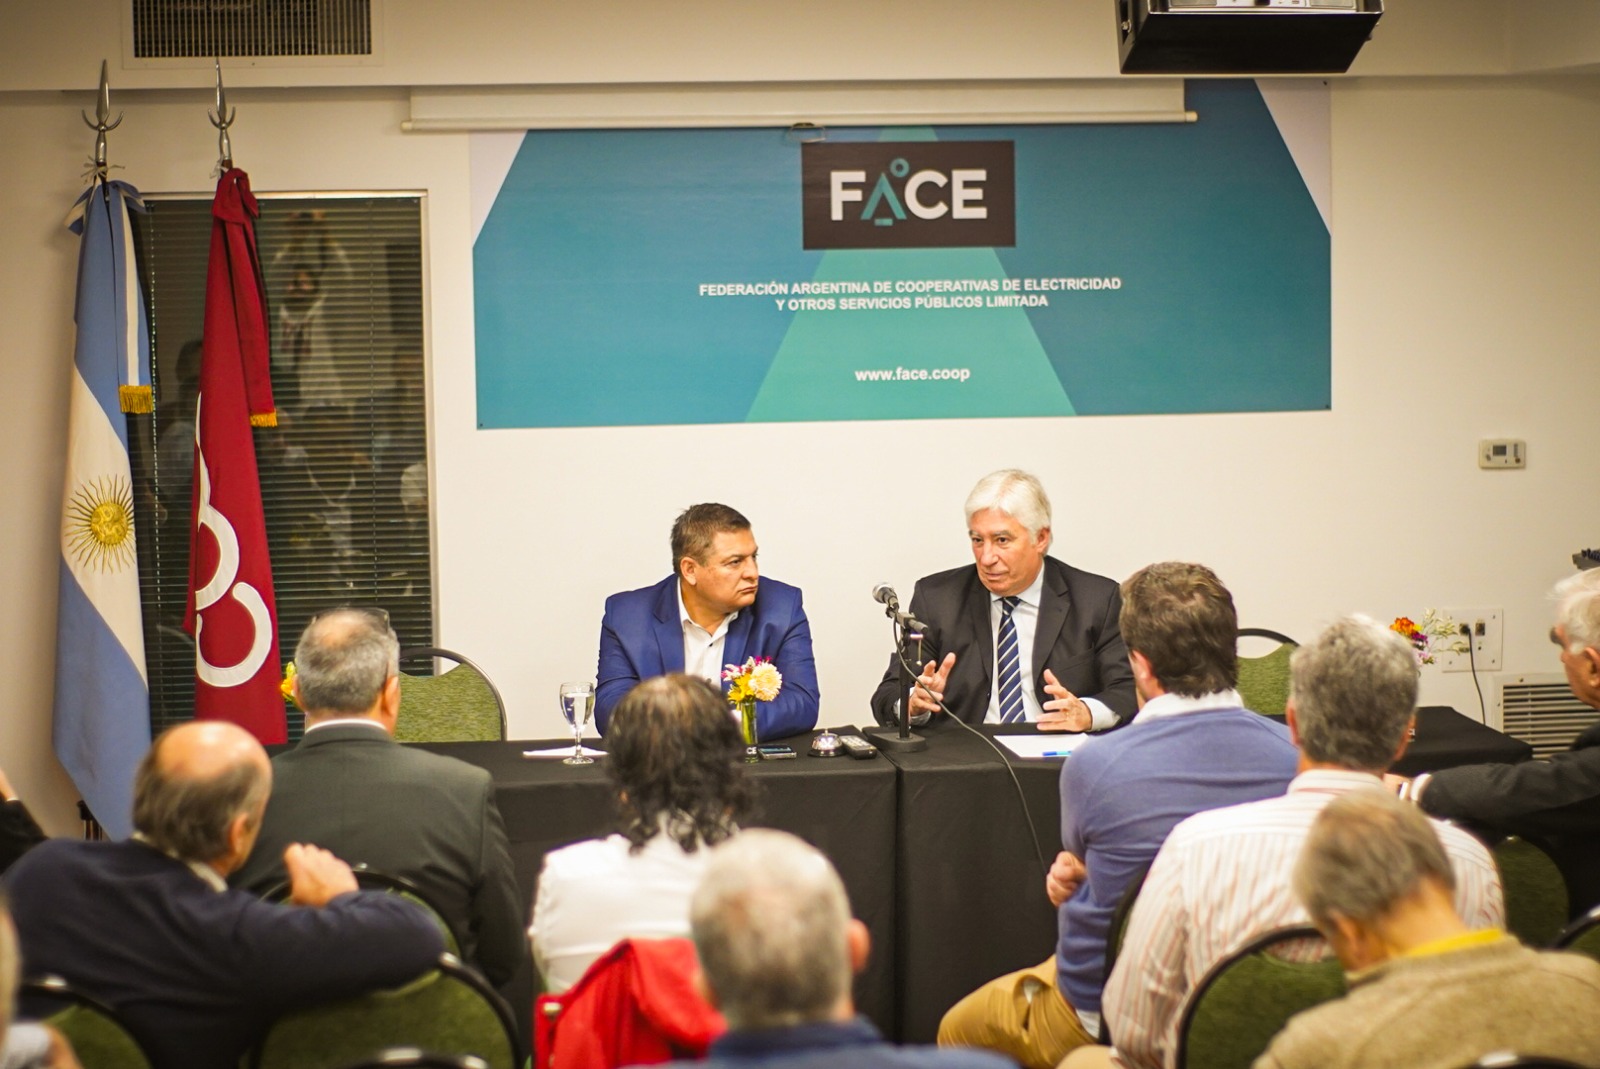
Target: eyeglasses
[371,612]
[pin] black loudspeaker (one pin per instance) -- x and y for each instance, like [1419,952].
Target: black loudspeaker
[1243,36]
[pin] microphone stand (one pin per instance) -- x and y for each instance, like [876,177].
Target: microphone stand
[908,651]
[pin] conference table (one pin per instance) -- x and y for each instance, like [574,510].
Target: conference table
[943,851]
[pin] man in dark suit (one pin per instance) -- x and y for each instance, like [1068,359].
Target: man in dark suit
[196,970]
[1556,801]
[1018,635]
[350,788]
[715,610]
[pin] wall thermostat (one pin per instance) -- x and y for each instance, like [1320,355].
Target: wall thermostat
[1502,453]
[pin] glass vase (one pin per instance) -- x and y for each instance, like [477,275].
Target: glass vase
[747,729]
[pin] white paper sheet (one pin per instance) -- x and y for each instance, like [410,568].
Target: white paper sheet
[1041,745]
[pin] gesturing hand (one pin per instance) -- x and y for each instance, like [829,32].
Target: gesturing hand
[1065,711]
[929,691]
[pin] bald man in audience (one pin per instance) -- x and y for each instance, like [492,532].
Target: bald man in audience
[149,925]
[349,787]
[1554,801]
[1426,991]
[1222,877]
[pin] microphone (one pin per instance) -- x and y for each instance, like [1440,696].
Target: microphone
[884,595]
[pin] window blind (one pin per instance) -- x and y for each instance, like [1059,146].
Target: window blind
[344,474]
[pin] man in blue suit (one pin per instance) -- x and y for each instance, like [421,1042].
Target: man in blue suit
[713,611]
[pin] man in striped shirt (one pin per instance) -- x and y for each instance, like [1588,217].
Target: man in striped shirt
[1223,876]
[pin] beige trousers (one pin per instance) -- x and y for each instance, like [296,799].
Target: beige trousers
[1022,1015]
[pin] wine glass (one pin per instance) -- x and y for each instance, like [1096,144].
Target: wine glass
[577,705]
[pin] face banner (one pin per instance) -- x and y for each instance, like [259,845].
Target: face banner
[871,196]
[632,277]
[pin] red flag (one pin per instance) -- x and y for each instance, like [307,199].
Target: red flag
[231,610]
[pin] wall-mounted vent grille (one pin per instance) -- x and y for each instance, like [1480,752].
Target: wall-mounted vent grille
[171,29]
[1540,710]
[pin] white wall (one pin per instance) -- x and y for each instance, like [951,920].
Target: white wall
[1464,275]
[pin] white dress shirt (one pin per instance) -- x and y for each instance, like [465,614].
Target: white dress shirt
[1222,878]
[702,649]
[594,893]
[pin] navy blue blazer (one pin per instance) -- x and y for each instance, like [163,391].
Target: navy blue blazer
[199,975]
[642,636]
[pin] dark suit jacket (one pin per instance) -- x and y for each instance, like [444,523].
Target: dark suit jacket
[1556,800]
[198,975]
[18,832]
[1078,639]
[406,812]
[642,636]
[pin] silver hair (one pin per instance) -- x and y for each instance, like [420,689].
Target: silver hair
[770,921]
[1578,611]
[1354,689]
[343,660]
[1015,493]
[1366,852]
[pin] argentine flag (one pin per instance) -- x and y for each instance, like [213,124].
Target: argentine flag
[102,697]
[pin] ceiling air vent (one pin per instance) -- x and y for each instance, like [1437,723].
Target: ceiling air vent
[1540,710]
[174,29]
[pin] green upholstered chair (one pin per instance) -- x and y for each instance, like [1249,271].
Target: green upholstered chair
[1582,935]
[1264,678]
[96,1033]
[1247,998]
[451,1011]
[460,704]
[1535,891]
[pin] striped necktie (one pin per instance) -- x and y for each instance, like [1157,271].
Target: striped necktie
[1010,665]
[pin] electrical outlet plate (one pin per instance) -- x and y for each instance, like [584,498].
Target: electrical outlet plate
[1486,647]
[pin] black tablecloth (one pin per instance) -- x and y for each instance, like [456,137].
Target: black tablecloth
[1446,739]
[933,847]
[844,807]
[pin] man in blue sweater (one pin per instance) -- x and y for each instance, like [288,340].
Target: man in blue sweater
[1193,747]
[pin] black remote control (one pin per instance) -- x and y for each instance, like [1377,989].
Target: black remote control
[857,747]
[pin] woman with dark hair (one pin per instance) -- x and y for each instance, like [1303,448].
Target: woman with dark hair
[676,759]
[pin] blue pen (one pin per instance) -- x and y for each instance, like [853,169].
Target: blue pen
[1056,753]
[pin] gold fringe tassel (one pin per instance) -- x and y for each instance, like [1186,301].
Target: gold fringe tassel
[264,419]
[136,399]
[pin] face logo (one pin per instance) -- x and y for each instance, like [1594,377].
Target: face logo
[922,194]
[965,199]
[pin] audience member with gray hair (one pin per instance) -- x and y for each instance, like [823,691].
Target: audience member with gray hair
[1557,800]
[1222,876]
[1426,991]
[349,787]
[778,949]
[149,927]
[1018,635]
